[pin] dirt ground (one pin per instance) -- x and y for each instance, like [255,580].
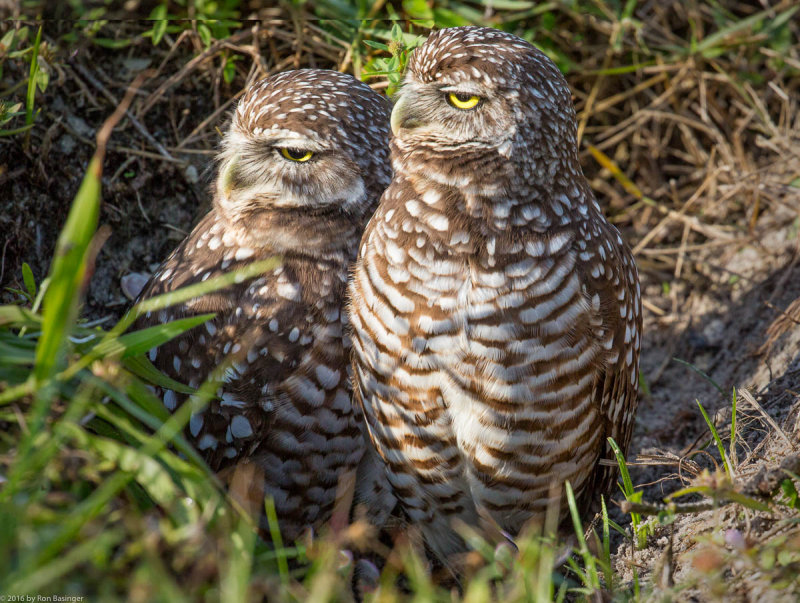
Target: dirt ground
[746,336]
[722,302]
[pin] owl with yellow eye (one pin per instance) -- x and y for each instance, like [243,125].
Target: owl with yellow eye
[496,313]
[302,167]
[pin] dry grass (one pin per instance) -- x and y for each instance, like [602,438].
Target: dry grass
[690,135]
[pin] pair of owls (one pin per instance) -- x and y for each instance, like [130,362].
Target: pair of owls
[459,341]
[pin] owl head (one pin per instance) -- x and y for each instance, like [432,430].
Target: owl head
[479,91]
[310,140]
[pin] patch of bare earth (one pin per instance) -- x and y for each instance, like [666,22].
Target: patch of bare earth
[736,321]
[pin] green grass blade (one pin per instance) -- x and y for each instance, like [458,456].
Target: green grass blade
[39,577]
[19,317]
[718,37]
[67,273]
[235,578]
[137,402]
[623,468]
[184,294]
[139,342]
[9,394]
[701,373]
[628,490]
[591,580]
[30,97]
[723,455]
[94,504]
[142,367]
[607,571]
[144,469]
[277,539]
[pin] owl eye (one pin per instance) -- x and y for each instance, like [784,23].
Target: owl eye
[298,155]
[461,100]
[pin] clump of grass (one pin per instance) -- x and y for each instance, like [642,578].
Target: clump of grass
[399,46]
[37,77]
[12,47]
[639,528]
[717,511]
[99,502]
[720,447]
[87,474]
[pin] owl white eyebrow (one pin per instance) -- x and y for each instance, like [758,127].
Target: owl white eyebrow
[285,138]
[464,88]
[303,143]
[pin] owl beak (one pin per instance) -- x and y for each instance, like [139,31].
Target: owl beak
[227,176]
[403,116]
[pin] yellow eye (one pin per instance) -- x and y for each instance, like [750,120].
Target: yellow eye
[463,101]
[298,155]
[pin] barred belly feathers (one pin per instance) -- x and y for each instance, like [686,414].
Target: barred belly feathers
[496,314]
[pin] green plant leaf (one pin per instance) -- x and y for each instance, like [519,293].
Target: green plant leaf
[229,70]
[30,97]
[19,317]
[723,455]
[377,45]
[142,367]
[27,278]
[159,15]
[139,342]
[205,34]
[42,76]
[67,273]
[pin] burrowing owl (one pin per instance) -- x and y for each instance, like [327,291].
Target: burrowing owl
[302,167]
[496,313]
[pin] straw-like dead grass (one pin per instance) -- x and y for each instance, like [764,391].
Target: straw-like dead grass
[690,135]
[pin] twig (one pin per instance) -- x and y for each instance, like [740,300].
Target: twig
[745,395]
[695,224]
[183,35]
[121,169]
[653,308]
[174,79]
[141,207]
[3,260]
[193,151]
[682,253]
[644,508]
[587,112]
[610,101]
[201,126]
[84,88]
[739,242]
[120,149]
[136,123]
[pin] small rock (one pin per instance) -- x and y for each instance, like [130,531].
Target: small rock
[66,144]
[79,125]
[191,175]
[714,331]
[134,64]
[133,283]
[746,262]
